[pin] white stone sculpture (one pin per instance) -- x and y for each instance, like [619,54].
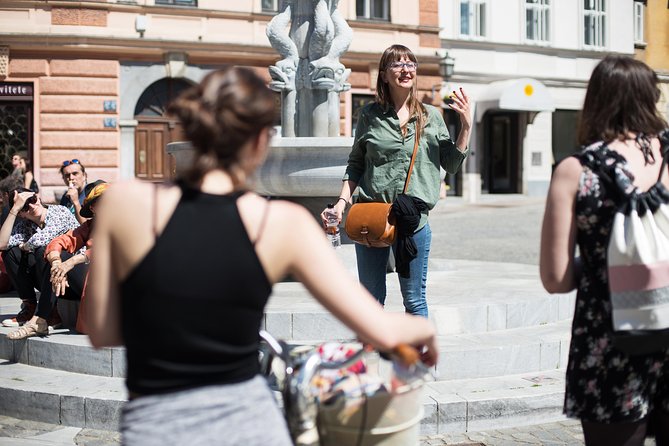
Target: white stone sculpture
[309,75]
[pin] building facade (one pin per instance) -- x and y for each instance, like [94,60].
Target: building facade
[526,63]
[91,79]
[651,41]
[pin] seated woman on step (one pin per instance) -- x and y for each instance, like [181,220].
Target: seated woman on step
[29,227]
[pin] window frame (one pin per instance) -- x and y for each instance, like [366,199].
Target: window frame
[368,12]
[277,6]
[599,19]
[480,30]
[358,101]
[639,15]
[541,17]
[183,3]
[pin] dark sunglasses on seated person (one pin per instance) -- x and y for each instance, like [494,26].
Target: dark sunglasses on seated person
[68,162]
[29,201]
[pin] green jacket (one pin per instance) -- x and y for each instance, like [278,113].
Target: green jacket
[380,157]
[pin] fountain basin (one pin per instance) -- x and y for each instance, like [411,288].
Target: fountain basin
[295,167]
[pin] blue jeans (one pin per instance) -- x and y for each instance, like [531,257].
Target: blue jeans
[372,272]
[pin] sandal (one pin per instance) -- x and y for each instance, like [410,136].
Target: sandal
[29,330]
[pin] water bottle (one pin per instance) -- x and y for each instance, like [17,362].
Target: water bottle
[332,227]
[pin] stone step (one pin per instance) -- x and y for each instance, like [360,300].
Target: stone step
[64,351]
[471,405]
[59,397]
[504,352]
[294,315]
[520,350]
[463,297]
[95,402]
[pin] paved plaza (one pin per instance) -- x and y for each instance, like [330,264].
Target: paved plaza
[485,239]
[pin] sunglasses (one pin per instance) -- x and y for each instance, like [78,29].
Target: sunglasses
[29,201]
[68,162]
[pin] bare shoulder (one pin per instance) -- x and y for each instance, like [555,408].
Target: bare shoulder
[280,214]
[136,198]
[279,208]
[565,180]
[569,168]
[137,192]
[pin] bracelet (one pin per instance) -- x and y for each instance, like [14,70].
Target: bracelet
[15,215]
[345,200]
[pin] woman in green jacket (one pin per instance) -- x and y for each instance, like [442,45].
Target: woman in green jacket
[379,162]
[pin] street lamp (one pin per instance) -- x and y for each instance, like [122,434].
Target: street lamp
[446,69]
[446,66]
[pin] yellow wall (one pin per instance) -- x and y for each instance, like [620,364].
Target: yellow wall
[657,35]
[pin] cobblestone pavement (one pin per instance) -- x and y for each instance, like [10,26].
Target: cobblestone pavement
[17,432]
[566,433]
[563,433]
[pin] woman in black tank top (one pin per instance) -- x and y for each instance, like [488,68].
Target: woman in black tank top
[182,273]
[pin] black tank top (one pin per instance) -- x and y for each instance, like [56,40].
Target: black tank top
[192,308]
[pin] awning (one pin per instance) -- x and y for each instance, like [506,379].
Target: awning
[524,94]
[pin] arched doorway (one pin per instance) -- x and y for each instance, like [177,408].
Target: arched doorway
[154,130]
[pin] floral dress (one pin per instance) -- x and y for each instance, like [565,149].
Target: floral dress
[604,384]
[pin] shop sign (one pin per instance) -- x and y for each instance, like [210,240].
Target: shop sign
[16,91]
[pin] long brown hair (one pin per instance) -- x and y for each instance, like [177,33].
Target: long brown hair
[621,98]
[392,54]
[219,115]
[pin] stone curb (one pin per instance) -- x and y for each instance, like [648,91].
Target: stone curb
[95,402]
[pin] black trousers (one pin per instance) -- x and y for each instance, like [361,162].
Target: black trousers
[30,270]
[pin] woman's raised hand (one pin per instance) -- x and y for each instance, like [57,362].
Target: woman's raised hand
[462,107]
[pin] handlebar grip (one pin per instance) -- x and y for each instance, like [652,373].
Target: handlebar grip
[406,354]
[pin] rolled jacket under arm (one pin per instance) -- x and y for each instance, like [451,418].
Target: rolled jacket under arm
[408,211]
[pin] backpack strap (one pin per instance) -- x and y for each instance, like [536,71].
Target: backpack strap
[664,150]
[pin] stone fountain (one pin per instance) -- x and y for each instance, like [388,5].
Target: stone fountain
[306,162]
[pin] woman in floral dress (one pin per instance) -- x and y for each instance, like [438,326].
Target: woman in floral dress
[616,396]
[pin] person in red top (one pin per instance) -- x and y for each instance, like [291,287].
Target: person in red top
[69,255]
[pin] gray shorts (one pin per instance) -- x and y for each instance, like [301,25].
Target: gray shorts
[230,414]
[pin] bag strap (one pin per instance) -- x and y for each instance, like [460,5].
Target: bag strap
[664,150]
[413,156]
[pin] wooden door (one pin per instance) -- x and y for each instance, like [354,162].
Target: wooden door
[152,162]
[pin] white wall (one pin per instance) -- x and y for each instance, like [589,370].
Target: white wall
[506,23]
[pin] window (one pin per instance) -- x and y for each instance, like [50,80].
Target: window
[357,102]
[564,140]
[639,15]
[373,9]
[594,23]
[473,18]
[537,19]
[177,2]
[271,5]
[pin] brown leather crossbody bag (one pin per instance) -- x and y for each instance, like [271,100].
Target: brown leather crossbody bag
[373,224]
